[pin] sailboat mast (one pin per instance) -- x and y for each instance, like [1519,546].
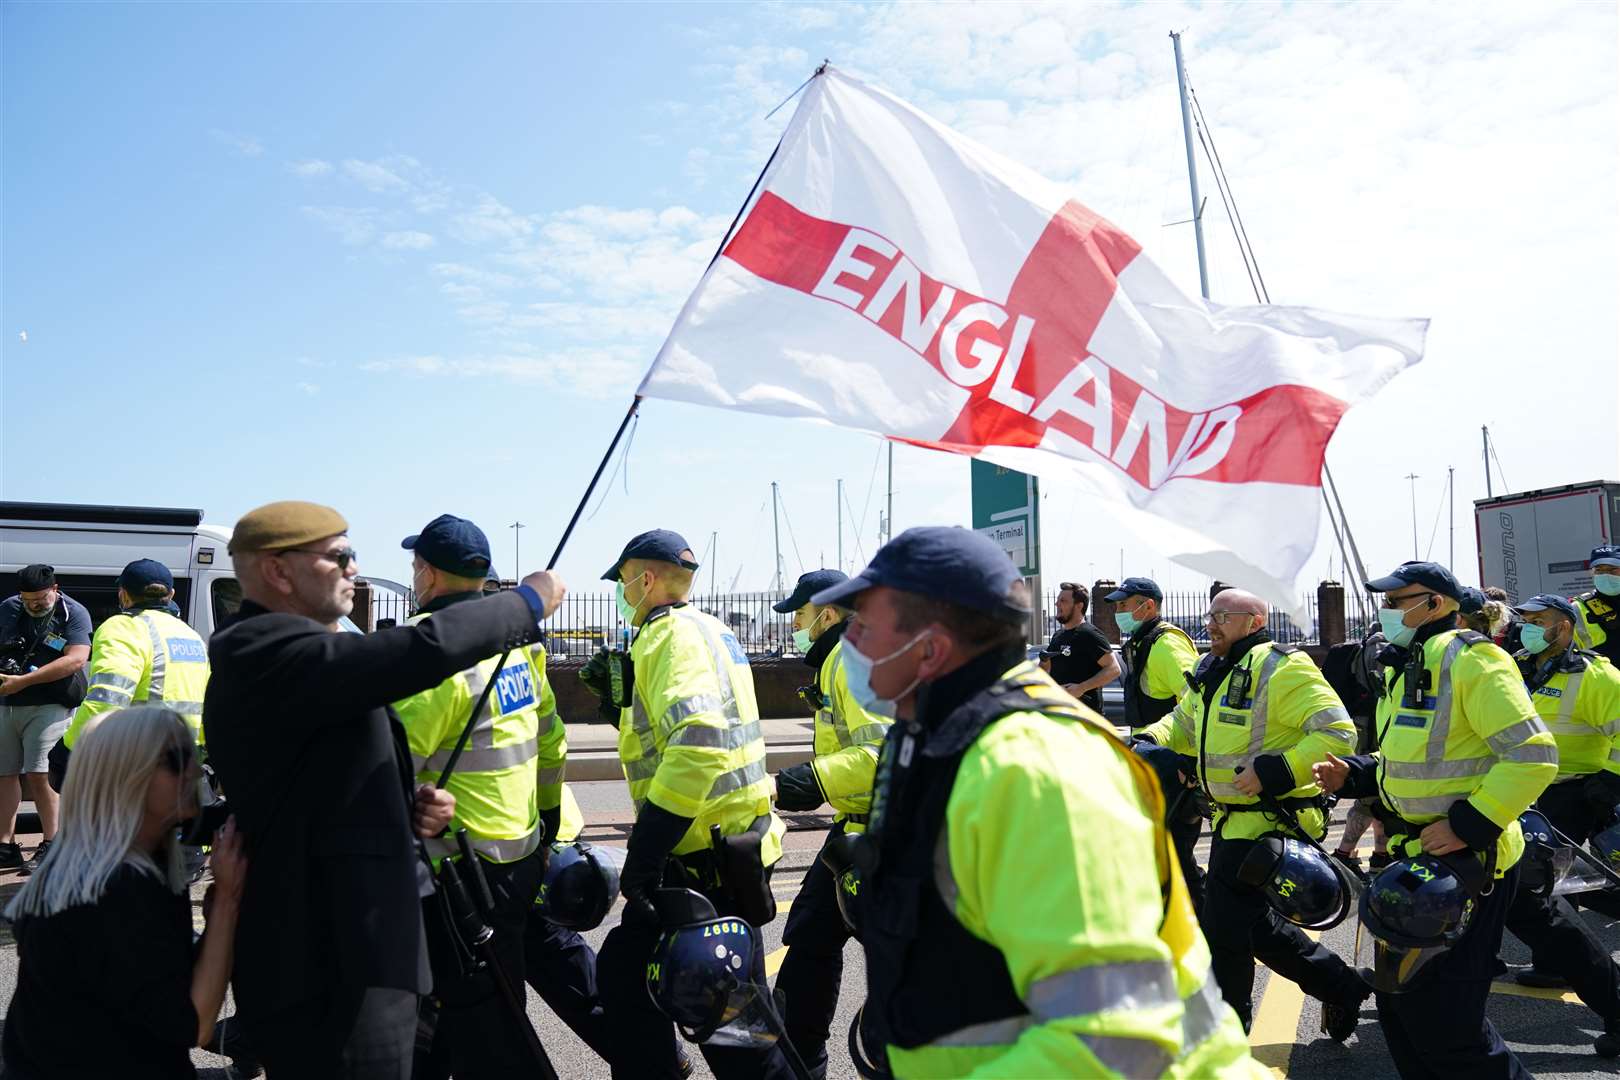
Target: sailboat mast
[1192,168]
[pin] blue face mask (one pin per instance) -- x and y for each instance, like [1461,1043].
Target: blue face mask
[1395,631]
[627,610]
[1607,584]
[1533,638]
[858,668]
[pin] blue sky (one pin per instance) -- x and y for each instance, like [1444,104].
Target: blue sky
[412,259]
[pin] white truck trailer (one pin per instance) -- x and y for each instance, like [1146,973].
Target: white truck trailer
[1539,541]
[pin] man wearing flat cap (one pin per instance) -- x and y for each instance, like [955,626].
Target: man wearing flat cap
[1577,695]
[1461,754]
[694,756]
[330,956]
[846,742]
[1020,903]
[508,790]
[1598,627]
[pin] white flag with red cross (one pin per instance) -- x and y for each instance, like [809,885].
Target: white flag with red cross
[896,277]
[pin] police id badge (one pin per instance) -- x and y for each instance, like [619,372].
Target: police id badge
[514,689]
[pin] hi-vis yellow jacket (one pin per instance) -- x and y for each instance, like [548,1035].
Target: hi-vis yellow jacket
[144,657]
[690,741]
[847,738]
[512,766]
[1579,701]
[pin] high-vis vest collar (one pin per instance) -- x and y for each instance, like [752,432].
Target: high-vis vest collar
[141,657]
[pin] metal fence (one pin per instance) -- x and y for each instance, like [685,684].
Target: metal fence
[1187,610]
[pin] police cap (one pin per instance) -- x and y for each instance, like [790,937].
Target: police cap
[1136,586]
[944,562]
[1606,555]
[1430,575]
[1550,602]
[280,525]
[454,545]
[809,584]
[659,545]
[143,572]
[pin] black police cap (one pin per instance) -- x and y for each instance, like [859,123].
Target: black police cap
[809,584]
[945,562]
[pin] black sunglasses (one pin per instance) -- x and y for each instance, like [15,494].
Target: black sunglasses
[343,556]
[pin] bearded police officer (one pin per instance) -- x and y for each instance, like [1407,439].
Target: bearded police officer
[145,654]
[1021,909]
[847,738]
[1461,754]
[508,789]
[694,756]
[1598,628]
[1258,717]
[1577,695]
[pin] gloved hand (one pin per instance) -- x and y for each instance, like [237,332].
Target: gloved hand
[550,822]
[653,837]
[595,674]
[798,788]
[1602,789]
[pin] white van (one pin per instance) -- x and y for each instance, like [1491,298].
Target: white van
[90,545]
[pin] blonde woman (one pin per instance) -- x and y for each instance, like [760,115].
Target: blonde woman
[104,926]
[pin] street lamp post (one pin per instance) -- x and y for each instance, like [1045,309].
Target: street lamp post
[517,549]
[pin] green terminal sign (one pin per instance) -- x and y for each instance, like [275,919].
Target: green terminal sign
[1007,509]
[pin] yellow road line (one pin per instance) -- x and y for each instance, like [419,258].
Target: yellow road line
[1545,993]
[1275,1032]
[773,960]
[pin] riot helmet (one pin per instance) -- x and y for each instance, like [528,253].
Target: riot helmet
[1605,844]
[580,885]
[707,974]
[1414,910]
[1546,858]
[1302,884]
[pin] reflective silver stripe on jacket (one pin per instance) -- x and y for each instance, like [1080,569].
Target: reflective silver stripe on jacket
[1323,719]
[108,696]
[989,1033]
[503,851]
[483,733]
[553,775]
[1134,984]
[1431,804]
[722,661]
[490,760]
[1257,721]
[688,707]
[1438,770]
[160,659]
[867,734]
[1532,755]
[727,738]
[185,708]
[1440,728]
[120,682]
[641,769]
[736,779]
[1564,723]
[1515,735]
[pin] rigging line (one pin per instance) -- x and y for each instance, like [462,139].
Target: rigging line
[871,485]
[1231,217]
[1434,532]
[860,549]
[791,538]
[1499,472]
[624,458]
[1219,165]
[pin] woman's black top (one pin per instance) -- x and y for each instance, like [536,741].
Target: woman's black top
[104,989]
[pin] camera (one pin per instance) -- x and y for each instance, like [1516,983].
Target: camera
[14,656]
[212,813]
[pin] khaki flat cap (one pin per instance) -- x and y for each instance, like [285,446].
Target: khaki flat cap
[279,525]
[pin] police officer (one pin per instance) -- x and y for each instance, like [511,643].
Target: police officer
[508,790]
[1158,657]
[145,654]
[847,738]
[1461,754]
[694,756]
[1598,628]
[1577,695]
[1021,908]
[1258,717]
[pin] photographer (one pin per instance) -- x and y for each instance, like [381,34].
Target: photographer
[104,929]
[44,645]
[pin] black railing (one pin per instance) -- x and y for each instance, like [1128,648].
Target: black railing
[1187,610]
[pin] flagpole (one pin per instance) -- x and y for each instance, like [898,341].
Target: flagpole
[1192,166]
[635,402]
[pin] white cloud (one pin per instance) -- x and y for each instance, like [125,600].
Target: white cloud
[377,176]
[354,225]
[245,145]
[313,362]
[308,389]
[598,373]
[309,168]
[407,240]
[489,221]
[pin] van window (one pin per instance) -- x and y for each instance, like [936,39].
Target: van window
[226,598]
[97,592]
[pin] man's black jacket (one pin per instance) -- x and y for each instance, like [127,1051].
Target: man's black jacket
[315,766]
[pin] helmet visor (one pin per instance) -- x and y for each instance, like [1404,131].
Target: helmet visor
[1395,967]
[1576,875]
[749,1019]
